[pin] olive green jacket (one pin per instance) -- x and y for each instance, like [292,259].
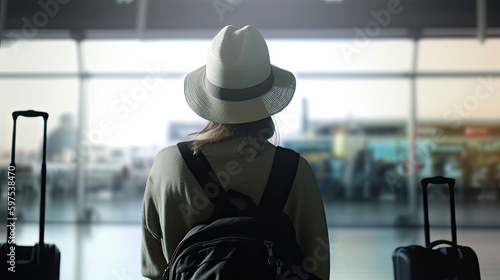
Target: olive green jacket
[174,202]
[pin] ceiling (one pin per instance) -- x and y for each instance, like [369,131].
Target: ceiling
[280,18]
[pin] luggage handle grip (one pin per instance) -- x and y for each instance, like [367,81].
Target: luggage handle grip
[451,184]
[440,242]
[30,114]
[438,180]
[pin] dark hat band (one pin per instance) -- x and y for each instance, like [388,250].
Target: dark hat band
[239,94]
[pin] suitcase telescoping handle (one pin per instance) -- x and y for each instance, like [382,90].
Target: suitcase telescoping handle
[451,184]
[45,116]
[30,114]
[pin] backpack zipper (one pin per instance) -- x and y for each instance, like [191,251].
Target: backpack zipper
[279,265]
[270,258]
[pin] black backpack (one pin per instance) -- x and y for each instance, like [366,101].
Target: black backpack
[241,240]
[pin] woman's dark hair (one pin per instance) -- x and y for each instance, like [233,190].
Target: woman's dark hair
[262,130]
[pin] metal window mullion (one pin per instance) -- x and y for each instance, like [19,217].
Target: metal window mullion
[412,160]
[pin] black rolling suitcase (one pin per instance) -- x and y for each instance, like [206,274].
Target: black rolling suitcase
[41,261]
[453,262]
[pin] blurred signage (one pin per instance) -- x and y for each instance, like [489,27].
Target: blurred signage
[450,148]
[476,131]
[489,146]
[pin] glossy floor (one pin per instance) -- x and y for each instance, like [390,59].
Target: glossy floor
[112,251]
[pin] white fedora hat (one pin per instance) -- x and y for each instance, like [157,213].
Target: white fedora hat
[238,84]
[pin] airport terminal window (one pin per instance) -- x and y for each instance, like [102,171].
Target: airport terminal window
[345,126]
[459,55]
[136,112]
[55,95]
[39,56]
[58,97]
[342,55]
[144,56]
[354,98]
[460,100]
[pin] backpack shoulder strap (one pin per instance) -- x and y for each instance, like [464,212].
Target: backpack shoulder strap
[279,184]
[204,174]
